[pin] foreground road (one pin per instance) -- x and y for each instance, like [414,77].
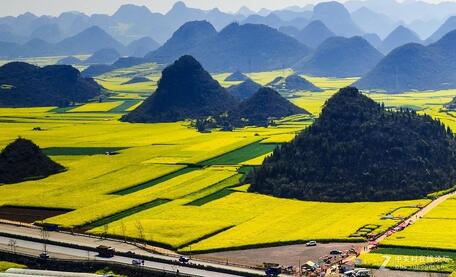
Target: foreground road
[34,248]
[27,246]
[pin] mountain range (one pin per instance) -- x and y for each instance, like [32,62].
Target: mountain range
[248,47]
[340,57]
[415,67]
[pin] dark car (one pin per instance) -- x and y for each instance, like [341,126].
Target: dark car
[336,252]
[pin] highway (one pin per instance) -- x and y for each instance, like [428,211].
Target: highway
[26,246]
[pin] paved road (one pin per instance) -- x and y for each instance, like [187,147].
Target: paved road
[30,247]
[421,213]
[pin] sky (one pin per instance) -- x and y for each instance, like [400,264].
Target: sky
[55,7]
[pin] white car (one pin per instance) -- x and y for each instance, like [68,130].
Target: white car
[311,243]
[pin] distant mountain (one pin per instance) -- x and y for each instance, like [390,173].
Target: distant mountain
[88,41]
[7,35]
[415,67]
[406,11]
[236,76]
[187,37]
[9,49]
[337,18]
[244,11]
[314,34]
[265,104]
[69,61]
[398,37]
[425,28]
[23,160]
[270,20]
[448,26]
[135,80]
[340,57]
[50,33]
[37,47]
[26,85]
[180,13]
[373,39]
[293,82]
[247,47]
[373,22]
[184,91]
[289,30]
[244,90]
[103,56]
[142,46]
[368,153]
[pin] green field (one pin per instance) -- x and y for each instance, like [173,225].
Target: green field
[177,188]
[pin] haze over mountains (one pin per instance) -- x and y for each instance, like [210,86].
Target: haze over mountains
[415,67]
[340,57]
[132,22]
[248,47]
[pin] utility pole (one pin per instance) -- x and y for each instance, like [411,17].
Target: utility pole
[44,237]
[12,244]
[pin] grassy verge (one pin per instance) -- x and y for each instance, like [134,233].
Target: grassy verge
[7,265]
[125,213]
[124,106]
[76,151]
[211,197]
[155,181]
[242,154]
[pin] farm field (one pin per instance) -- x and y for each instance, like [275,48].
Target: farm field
[177,188]
[433,231]
[410,259]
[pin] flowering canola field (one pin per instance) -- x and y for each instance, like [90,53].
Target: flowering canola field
[158,186]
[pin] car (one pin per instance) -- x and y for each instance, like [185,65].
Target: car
[336,252]
[183,259]
[273,271]
[44,256]
[311,243]
[136,262]
[362,272]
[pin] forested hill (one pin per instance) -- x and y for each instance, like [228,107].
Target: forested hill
[26,85]
[358,151]
[184,91]
[23,160]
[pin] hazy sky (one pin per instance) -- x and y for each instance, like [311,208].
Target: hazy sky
[55,7]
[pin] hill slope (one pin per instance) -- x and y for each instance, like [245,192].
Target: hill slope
[26,85]
[340,57]
[398,37]
[357,151]
[88,41]
[415,67]
[22,160]
[185,91]
[247,47]
[292,83]
[334,15]
[103,56]
[266,103]
[314,34]
[244,90]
